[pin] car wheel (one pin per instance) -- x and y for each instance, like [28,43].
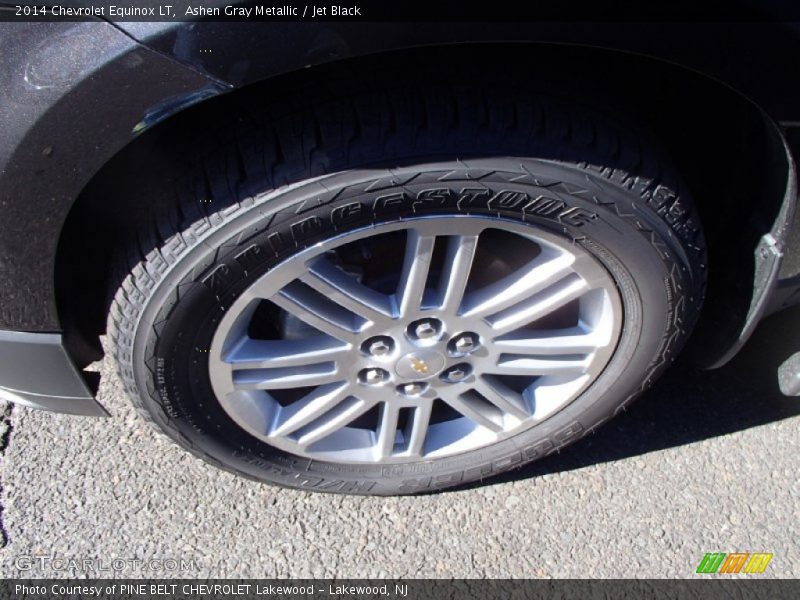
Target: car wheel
[407,303]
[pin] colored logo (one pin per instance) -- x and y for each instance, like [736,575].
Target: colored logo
[422,364]
[737,562]
[419,365]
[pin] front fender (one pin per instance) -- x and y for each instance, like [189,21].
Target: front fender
[71,96]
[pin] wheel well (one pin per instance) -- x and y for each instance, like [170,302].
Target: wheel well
[711,133]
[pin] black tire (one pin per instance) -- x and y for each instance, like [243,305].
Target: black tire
[250,195]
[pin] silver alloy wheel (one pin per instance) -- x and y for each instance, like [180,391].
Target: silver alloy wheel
[433,367]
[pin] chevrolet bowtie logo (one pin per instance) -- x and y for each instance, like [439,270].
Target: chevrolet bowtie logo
[420,366]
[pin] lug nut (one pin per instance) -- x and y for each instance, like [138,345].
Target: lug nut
[412,389]
[373,376]
[457,373]
[381,346]
[465,343]
[426,328]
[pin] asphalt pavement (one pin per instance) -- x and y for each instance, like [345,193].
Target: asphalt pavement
[704,462]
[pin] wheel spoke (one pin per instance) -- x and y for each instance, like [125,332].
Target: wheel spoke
[345,290]
[540,305]
[286,377]
[417,429]
[502,397]
[387,430]
[269,354]
[343,413]
[511,364]
[416,264]
[457,267]
[545,270]
[474,409]
[573,340]
[318,312]
[309,408]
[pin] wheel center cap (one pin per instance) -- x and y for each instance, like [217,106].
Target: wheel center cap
[422,364]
